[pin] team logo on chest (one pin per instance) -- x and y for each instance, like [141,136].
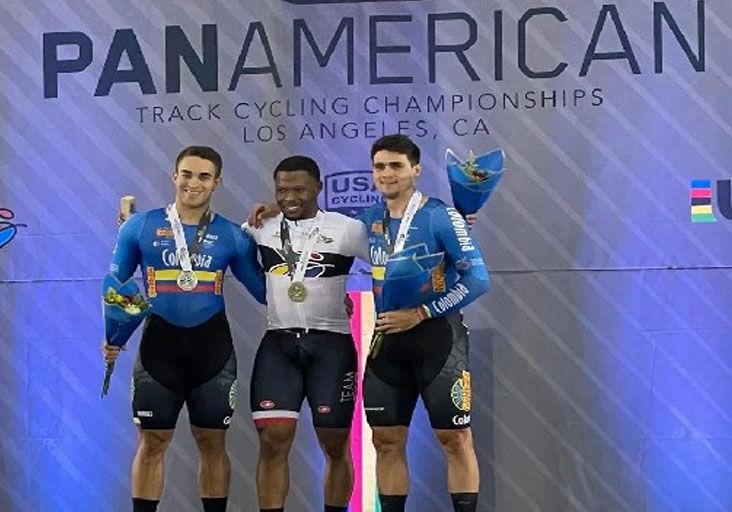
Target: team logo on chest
[316,265]
[164,233]
[170,259]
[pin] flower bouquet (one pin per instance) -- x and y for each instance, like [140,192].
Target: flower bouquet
[472,181]
[124,310]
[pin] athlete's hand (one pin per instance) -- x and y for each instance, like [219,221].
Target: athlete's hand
[349,305]
[126,209]
[471,219]
[261,212]
[110,352]
[398,321]
[121,218]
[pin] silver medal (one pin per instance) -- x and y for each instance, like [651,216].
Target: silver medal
[187,280]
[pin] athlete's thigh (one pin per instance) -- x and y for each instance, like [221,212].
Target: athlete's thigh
[211,405]
[447,394]
[389,386]
[331,379]
[276,390]
[154,406]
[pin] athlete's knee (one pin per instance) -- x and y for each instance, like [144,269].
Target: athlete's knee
[335,442]
[455,443]
[211,442]
[389,439]
[275,440]
[153,443]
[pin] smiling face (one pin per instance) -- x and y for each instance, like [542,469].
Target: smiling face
[394,175]
[296,193]
[195,180]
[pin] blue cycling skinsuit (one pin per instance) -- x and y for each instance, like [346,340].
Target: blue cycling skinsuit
[186,352]
[431,359]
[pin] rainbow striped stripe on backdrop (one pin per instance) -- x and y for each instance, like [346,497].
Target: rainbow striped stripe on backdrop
[701,201]
[364,497]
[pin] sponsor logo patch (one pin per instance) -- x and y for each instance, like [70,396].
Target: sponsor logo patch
[463,264]
[461,230]
[232,394]
[438,278]
[348,387]
[461,420]
[460,392]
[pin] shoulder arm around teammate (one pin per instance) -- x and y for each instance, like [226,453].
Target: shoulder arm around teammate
[462,251]
[251,231]
[246,267]
[358,239]
[127,254]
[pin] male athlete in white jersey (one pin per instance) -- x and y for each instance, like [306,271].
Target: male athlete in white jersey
[307,350]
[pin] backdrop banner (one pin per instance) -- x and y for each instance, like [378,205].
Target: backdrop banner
[602,355]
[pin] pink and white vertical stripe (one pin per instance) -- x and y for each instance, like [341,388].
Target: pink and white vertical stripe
[364,457]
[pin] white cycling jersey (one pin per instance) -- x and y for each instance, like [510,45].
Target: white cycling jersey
[339,240]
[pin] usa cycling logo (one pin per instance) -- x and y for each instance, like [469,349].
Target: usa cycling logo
[350,192]
[8,229]
[702,204]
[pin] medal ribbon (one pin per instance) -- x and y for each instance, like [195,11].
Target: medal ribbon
[404,225]
[181,246]
[298,272]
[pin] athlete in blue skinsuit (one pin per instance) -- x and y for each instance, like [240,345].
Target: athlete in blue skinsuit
[424,350]
[186,352]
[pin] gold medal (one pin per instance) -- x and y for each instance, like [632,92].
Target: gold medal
[297,291]
[187,280]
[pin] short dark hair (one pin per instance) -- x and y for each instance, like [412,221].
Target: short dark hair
[397,143]
[299,163]
[204,152]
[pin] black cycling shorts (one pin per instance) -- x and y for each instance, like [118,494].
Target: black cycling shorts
[191,365]
[291,365]
[430,360]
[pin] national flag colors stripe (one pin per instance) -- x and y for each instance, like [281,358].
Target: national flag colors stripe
[165,281]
